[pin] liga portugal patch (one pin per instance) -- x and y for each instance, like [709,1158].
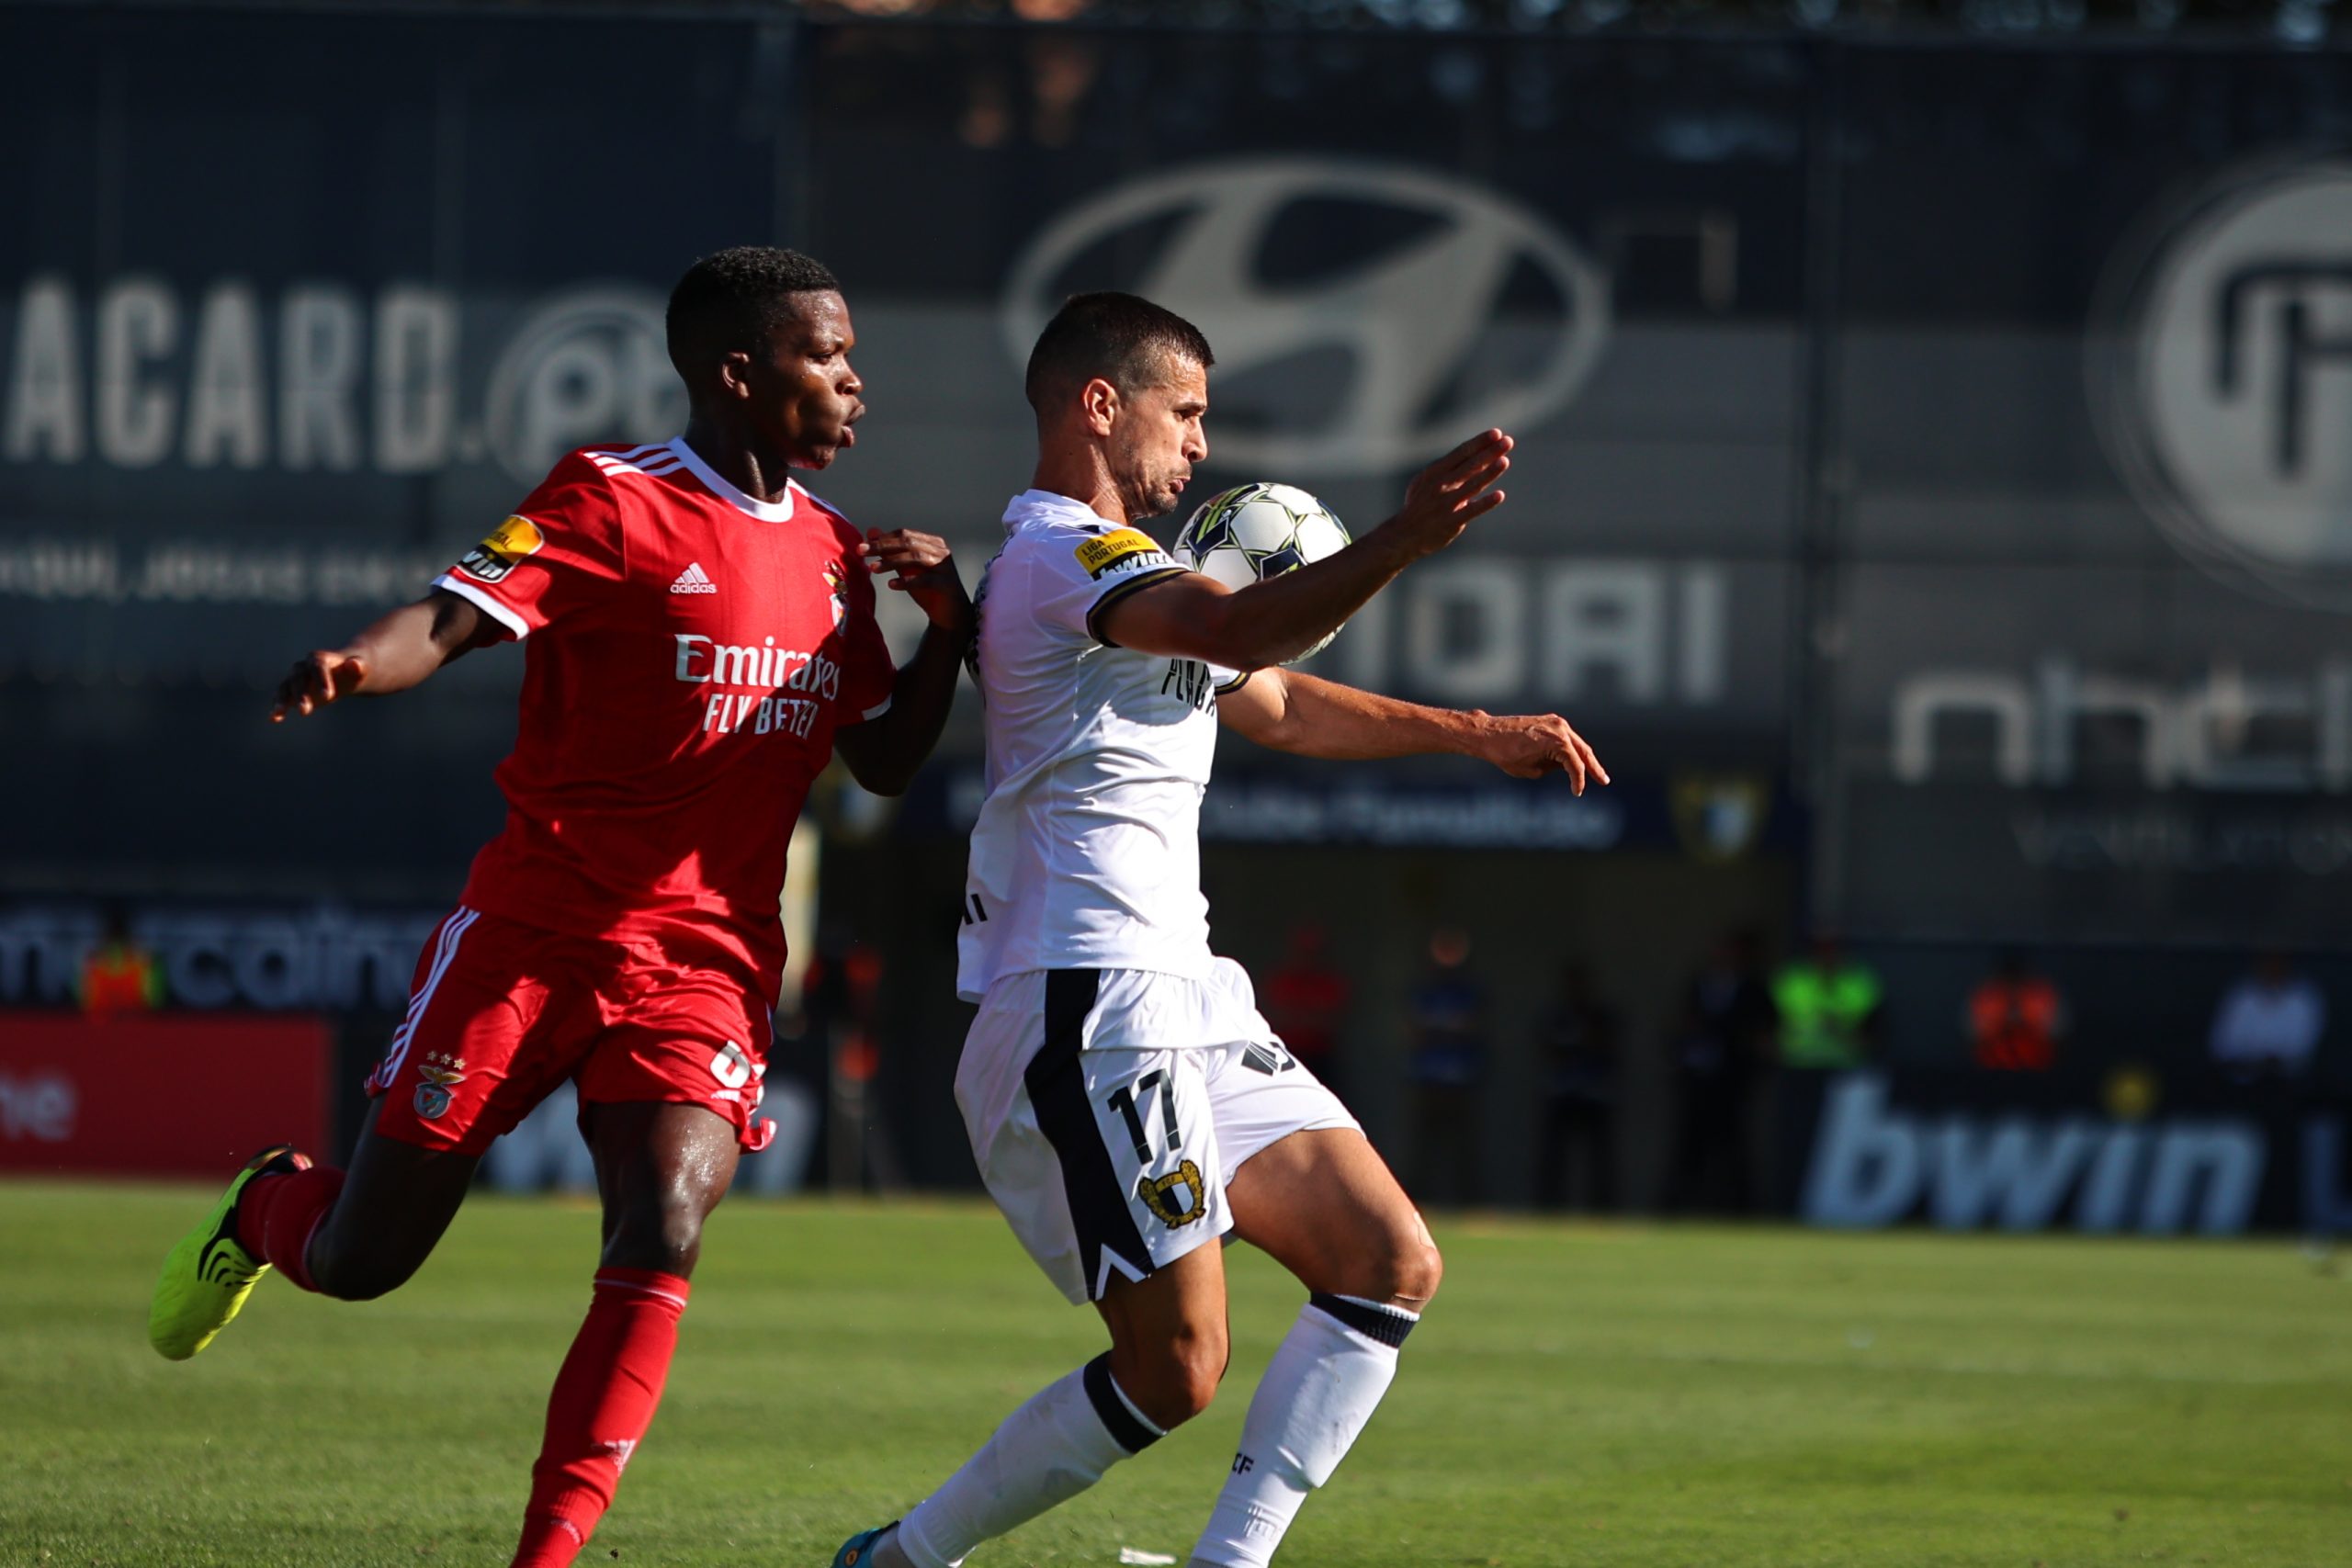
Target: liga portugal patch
[496,555]
[1105,552]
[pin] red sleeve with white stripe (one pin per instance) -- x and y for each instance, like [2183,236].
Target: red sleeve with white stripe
[560,553]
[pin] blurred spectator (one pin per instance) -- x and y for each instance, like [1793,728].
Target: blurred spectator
[1449,1067]
[1062,73]
[2269,1023]
[841,999]
[1306,1001]
[2016,1018]
[1830,1008]
[118,974]
[1724,1047]
[1579,1039]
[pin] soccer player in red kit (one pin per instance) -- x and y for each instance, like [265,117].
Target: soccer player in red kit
[699,638]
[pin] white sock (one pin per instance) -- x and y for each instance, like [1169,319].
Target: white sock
[1047,1451]
[1323,1384]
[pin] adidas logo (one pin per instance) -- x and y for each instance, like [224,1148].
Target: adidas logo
[1266,1059]
[692,580]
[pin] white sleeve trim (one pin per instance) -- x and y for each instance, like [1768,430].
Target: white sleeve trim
[501,614]
[877,711]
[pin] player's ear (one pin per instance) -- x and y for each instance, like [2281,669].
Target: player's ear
[1100,402]
[735,374]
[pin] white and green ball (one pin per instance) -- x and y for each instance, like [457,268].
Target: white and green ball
[1259,531]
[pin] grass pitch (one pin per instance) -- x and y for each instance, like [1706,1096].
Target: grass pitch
[1614,1397]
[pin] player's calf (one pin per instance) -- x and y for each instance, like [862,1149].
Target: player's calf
[1056,1446]
[1326,1379]
[373,1230]
[360,1272]
[1325,1206]
[1168,1354]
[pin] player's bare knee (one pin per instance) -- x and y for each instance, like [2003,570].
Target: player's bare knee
[1189,1384]
[661,1230]
[1417,1269]
[664,1239]
[1175,1381]
[1404,1267]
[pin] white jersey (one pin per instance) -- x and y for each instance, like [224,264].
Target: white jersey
[1087,851]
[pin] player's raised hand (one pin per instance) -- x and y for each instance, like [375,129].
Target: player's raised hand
[1446,496]
[1530,745]
[316,681]
[922,566]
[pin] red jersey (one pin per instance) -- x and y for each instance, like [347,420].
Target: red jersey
[689,652]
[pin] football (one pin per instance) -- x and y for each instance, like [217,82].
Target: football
[1257,531]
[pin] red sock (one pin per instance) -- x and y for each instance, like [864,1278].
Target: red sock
[604,1401]
[276,1215]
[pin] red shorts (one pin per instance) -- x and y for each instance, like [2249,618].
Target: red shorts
[500,1012]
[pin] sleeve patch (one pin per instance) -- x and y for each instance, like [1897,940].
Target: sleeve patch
[496,555]
[1117,550]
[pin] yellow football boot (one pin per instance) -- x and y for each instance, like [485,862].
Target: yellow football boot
[209,1275]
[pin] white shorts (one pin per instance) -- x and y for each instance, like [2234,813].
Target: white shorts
[1106,1157]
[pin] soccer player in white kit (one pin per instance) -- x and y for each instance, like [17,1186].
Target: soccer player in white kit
[1127,1105]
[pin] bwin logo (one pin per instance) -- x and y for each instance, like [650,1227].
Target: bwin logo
[2220,370]
[1875,1164]
[1430,352]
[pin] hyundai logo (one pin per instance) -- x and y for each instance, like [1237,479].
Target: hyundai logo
[2222,380]
[1373,364]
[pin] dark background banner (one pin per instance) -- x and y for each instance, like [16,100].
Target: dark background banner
[1851,391]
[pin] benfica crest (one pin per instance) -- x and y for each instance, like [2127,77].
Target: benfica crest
[440,1072]
[1719,816]
[837,584]
[1177,1198]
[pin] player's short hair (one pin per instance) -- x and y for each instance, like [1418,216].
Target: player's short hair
[1126,340]
[733,299]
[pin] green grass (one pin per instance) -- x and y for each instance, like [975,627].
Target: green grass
[1613,1397]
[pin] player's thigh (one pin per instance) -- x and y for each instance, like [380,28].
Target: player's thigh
[1324,1204]
[479,1046]
[499,1015]
[662,1167]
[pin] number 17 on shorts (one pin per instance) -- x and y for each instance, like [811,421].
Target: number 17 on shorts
[1132,1138]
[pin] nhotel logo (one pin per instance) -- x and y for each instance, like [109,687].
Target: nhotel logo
[2222,374]
[1429,351]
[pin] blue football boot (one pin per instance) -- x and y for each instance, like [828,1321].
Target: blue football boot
[858,1548]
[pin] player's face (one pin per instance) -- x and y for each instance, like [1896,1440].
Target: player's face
[805,397]
[1158,437]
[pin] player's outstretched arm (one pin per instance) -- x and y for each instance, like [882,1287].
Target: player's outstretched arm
[884,753]
[1192,617]
[391,656]
[1291,712]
